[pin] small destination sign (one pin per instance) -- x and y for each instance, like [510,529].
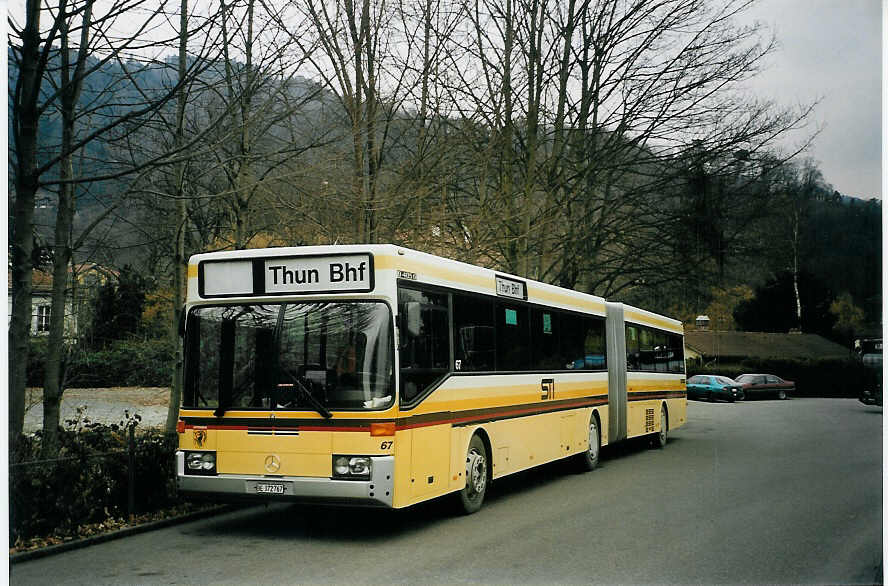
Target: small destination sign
[506,287]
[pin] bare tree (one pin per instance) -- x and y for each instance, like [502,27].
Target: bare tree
[357,61]
[589,106]
[794,189]
[251,111]
[81,39]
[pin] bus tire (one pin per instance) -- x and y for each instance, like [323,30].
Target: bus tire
[471,497]
[588,460]
[660,438]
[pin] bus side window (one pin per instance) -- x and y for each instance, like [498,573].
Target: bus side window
[594,345]
[512,337]
[646,349]
[573,341]
[424,336]
[661,352]
[676,354]
[633,351]
[474,334]
[545,333]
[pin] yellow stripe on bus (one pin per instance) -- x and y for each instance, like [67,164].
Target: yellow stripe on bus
[411,265]
[554,297]
[644,319]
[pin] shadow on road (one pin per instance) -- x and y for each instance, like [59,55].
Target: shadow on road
[328,522]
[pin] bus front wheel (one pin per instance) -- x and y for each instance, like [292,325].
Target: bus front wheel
[472,495]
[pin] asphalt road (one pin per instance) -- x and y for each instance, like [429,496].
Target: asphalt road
[752,492]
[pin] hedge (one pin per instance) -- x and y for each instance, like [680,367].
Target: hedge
[813,378]
[89,479]
[125,363]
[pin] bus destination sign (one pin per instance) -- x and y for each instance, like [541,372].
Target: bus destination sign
[341,273]
[310,274]
[506,287]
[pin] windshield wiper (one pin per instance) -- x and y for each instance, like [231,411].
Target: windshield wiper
[311,399]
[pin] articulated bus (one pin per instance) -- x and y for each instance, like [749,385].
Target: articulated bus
[381,376]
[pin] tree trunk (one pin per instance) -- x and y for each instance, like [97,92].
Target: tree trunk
[25,120]
[71,83]
[53,382]
[178,295]
[795,270]
[179,265]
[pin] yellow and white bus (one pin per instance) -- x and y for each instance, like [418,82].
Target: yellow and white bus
[382,376]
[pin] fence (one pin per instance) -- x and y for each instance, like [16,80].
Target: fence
[101,472]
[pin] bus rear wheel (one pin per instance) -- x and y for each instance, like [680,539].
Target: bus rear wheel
[471,496]
[588,460]
[659,439]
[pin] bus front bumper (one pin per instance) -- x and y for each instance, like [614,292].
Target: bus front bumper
[376,492]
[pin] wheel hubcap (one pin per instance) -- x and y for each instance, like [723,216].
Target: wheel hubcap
[593,441]
[476,472]
[663,426]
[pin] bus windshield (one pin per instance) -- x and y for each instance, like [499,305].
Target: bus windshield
[290,356]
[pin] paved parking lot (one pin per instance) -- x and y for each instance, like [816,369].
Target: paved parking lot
[776,492]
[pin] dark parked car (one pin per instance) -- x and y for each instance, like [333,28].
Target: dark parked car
[765,385]
[712,387]
[871,395]
[870,352]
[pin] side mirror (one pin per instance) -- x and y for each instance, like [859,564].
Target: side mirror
[182,316]
[414,318]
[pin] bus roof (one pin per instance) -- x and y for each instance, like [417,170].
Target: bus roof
[234,275]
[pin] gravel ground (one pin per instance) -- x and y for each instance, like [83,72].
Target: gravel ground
[106,406]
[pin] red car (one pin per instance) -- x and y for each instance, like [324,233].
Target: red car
[764,384]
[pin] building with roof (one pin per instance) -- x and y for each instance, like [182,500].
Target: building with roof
[83,282]
[707,346]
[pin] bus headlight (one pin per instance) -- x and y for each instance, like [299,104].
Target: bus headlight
[352,467]
[200,463]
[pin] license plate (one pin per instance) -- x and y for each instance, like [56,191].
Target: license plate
[269,488]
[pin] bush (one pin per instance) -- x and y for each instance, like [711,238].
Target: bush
[813,378]
[124,363]
[88,481]
[36,362]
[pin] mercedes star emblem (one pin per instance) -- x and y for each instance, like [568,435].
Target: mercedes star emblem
[272,464]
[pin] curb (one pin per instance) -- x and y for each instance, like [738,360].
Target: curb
[117,534]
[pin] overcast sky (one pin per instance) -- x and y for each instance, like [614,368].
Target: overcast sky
[831,50]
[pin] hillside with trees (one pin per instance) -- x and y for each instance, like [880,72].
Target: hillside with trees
[608,146]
